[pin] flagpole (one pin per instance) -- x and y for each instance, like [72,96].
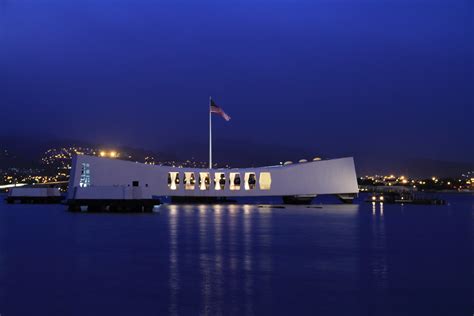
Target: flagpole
[210,134]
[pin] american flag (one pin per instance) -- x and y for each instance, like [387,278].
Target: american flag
[216,109]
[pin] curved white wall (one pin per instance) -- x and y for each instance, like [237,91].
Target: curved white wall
[335,176]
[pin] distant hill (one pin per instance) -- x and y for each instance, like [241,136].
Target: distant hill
[23,153]
[27,153]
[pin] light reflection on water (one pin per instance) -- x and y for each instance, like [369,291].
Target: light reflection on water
[3,267]
[265,259]
[174,275]
[218,274]
[205,269]
[367,259]
[236,251]
[218,265]
[233,250]
[379,261]
[248,260]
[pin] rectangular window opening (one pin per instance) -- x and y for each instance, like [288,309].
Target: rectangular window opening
[234,178]
[204,180]
[250,181]
[265,180]
[173,180]
[189,181]
[219,181]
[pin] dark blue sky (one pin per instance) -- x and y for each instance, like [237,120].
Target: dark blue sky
[331,77]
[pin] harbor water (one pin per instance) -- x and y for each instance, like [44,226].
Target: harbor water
[327,259]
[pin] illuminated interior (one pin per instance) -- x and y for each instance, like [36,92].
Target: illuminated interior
[204,180]
[234,178]
[173,180]
[189,181]
[219,181]
[250,180]
[265,180]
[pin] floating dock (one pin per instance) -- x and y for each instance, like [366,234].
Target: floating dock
[34,195]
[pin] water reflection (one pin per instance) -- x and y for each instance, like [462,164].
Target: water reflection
[373,259]
[233,246]
[3,267]
[248,260]
[379,245]
[239,259]
[174,275]
[378,260]
[264,254]
[204,266]
[218,282]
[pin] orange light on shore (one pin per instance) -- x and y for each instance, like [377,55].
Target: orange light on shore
[111,154]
